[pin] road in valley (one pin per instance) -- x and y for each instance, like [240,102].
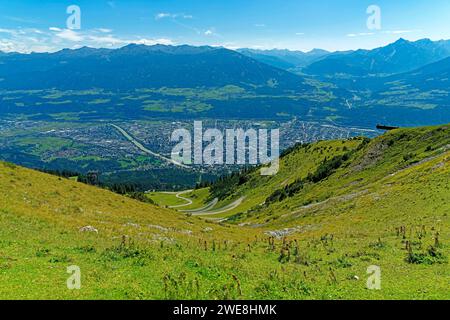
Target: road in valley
[144,149]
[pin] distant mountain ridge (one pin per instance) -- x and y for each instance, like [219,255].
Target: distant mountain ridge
[433,76]
[141,66]
[285,59]
[403,83]
[398,57]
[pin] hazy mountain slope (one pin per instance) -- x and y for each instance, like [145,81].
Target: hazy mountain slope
[434,76]
[285,59]
[139,66]
[425,90]
[400,56]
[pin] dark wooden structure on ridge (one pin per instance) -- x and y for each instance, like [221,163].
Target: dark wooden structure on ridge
[387,128]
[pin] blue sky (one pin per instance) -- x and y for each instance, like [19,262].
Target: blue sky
[40,25]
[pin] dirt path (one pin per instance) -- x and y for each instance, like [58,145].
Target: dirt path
[178,195]
[224,209]
[209,206]
[444,150]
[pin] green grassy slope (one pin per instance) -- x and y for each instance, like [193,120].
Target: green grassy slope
[383,196]
[129,256]
[310,174]
[335,208]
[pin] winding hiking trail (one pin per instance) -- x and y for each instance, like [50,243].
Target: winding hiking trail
[203,209]
[178,195]
[208,209]
[224,209]
[144,149]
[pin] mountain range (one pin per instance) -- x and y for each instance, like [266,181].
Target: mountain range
[434,76]
[286,59]
[139,66]
[398,57]
[404,82]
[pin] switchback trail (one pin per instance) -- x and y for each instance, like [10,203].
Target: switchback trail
[209,206]
[224,209]
[178,195]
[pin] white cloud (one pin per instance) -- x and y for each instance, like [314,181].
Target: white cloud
[70,35]
[36,31]
[106,40]
[23,40]
[103,30]
[41,48]
[24,46]
[227,45]
[163,15]
[211,32]
[35,40]
[400,31]
[151,42]
[20,31]
[7,46]
[361,34]
[9,31]
[299,34]
[110,40]
[260,25]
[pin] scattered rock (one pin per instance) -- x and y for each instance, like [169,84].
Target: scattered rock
[158,237]
[279,234]
[158,227]
[438,166]
[88,229]
[134,225]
